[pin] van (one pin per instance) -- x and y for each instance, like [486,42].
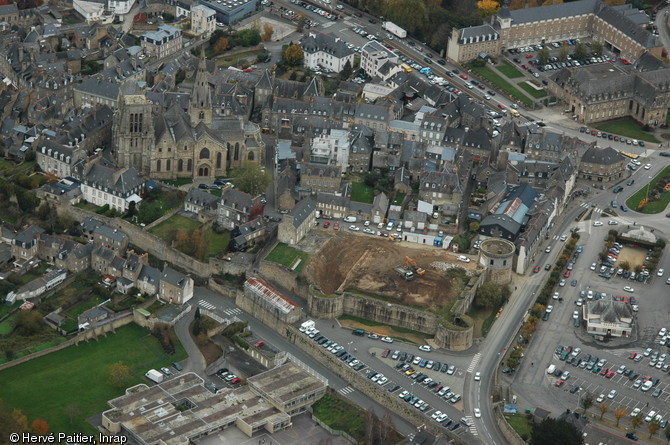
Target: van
[350,219]
[551,369]
[359,332]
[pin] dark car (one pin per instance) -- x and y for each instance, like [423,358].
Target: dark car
[394,388]
[547,267]
[177,366]
[665,154]
[574,389]
[631,436]
[444,367]
[617,189]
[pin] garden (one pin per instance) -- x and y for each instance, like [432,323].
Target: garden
[654,197]
[503,85]
[627,127]
[288,256]
[68,386]
[192,237]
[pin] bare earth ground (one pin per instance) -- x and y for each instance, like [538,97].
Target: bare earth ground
[634,256]
[363,262]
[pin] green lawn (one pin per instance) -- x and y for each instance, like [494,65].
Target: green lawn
[79,308]
[537,94]
[494,78]
[287,256]
[520,424]
[653,206]
[340,414]
[32,275]
[7,326]
[43,387]
[367,322]
[362,193]
[627,127]
[509,70]
[175,222]
[398,198]
[178,182]
[217,242]
[88,206]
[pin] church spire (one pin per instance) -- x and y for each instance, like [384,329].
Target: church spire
[200,105]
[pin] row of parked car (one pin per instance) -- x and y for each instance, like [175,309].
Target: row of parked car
[611,137]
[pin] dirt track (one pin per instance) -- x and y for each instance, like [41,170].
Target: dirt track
[366,262]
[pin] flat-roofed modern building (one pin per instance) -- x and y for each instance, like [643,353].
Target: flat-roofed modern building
[180,410]
[231,11]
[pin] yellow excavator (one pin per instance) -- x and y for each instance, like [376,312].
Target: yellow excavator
[410,262]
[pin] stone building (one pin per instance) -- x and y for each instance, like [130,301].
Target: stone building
[57,159]
[321,178]
[602,165]
[270,300]
[174,287]
[295,225]
[173,142]
[165,41]
[497,257]
[203,20]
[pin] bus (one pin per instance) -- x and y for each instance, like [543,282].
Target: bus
[406,68]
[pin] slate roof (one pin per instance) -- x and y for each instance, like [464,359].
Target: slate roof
[302,210]
[602,156]
[122,182]
[321,170]
[327,43]
[475,34]
[150,275]
[236,199]
[610,311]
[555,11]
[201,198]
[173,277]
[98,87]
[9,9]
[110,233]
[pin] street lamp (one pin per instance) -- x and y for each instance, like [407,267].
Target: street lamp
[648,184]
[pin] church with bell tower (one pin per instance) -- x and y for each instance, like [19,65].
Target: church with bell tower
[169,141]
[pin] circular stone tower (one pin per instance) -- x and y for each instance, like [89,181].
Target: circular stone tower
[497,256]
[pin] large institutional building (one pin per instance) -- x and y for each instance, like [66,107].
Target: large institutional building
[618,27]
[174,142]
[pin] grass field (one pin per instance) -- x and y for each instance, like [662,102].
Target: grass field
[367,322]
[493,77]
[627,127]
[340,414]
[509,70]
[537,94]
[653,206]
[287,256]
[362,193]
[44,387]
[398,198]
[175,222]
[520,424]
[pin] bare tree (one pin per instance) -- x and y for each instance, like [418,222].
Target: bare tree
[385,427]
[370,420]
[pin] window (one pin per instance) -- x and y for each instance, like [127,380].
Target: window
[237,151]
[204,153]
[218,159]
[189,165]
[250,156]
[158,165]
[201,116]
[167,165]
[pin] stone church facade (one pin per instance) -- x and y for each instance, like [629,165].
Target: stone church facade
[176,143]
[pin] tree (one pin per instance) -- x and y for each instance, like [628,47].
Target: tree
[638,268]
[666,433]
[488,295]
[603,407]
[293,55]
[248,37]
[347,71]
[41,427]
[27,200]
[118,375]
[619,414]
[597,48]
[625,265]
[28,323]
[21,420]
[302,20]
[652,427]
[473,226]
[636,421]
[581,51]
[586,402]
[221,45]
[250,178]
[555,432]
[268,30]
[563,53]
[73,410]
[487,7]
[543,55]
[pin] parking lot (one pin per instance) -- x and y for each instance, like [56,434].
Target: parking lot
[435,391]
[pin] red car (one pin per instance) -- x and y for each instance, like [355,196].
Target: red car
[559,383]
[235,380]
[524,67]
[529,56]
[566,274]
[463,76]
[609,374]
[386,353]
[437,388]
[594,132]
[604,371]
[537,269]
[624,61]
[632,355]
[326,224]
[501,106]
[336,226]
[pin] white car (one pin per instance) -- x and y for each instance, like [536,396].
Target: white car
[612,394]
[575,315]
[597,223]
[424,348]
[478,376]
[463,258]
[382,380]
[477,412]
[660,272]
[354,228]
[628,289]
[635,412]
[387,339]
[593,266]
[366,223]
[601,398]
[647,166]
[451,370]
[556,296]
[436,414]
[661,333]
[549,309]
[561,283]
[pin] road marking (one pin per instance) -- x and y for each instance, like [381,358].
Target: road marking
[346,390]
[235,311]
[474,362]
[206,304]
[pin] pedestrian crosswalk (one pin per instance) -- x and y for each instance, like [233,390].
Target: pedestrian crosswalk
[346,390]
[471,423]
[474,362]
[233,311]
[206,305]
[586,205]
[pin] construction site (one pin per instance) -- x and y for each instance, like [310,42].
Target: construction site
[403,273]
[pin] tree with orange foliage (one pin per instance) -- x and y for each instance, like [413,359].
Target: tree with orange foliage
[221,45]
[40,426]
[268,30]
[488,7]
